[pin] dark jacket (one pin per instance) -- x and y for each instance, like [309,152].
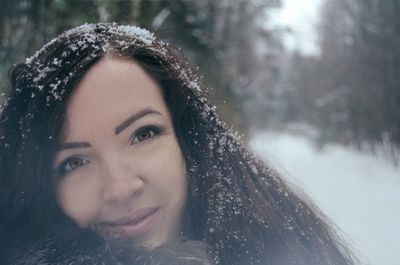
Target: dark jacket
[70,245]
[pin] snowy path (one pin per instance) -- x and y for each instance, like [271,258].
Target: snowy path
[359,192]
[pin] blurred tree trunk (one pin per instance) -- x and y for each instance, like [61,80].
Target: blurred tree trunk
[2,19]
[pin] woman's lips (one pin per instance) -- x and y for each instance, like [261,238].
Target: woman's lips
[133,225]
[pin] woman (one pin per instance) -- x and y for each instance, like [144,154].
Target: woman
[111,153]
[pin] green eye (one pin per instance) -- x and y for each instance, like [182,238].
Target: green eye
[145,133]
[72,163]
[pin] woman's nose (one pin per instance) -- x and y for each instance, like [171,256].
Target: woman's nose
[121,182]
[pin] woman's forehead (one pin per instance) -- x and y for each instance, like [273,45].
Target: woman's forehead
[114,78]
[111,90]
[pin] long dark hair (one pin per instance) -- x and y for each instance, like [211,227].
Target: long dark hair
[238,205]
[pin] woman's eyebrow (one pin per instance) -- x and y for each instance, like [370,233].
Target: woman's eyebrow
[73,145]
[125,124]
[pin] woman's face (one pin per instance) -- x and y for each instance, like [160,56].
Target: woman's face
[120,167]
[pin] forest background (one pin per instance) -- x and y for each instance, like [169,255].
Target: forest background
[347,93]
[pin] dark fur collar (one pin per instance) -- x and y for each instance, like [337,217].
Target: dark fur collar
[71,245]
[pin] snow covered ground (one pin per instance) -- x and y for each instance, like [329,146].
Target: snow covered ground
[359,192]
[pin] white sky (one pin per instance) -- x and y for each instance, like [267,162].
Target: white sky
[301,16]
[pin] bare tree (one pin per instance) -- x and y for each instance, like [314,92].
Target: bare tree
[356,92]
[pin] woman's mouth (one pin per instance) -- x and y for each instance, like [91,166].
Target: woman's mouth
[132,225]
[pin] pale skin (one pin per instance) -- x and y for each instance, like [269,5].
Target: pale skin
[119,156]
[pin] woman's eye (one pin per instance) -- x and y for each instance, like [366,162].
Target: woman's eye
[145,133]
[71,164]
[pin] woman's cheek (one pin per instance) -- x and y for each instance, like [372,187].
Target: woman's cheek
[80,198]
[173,166]
[163,167]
